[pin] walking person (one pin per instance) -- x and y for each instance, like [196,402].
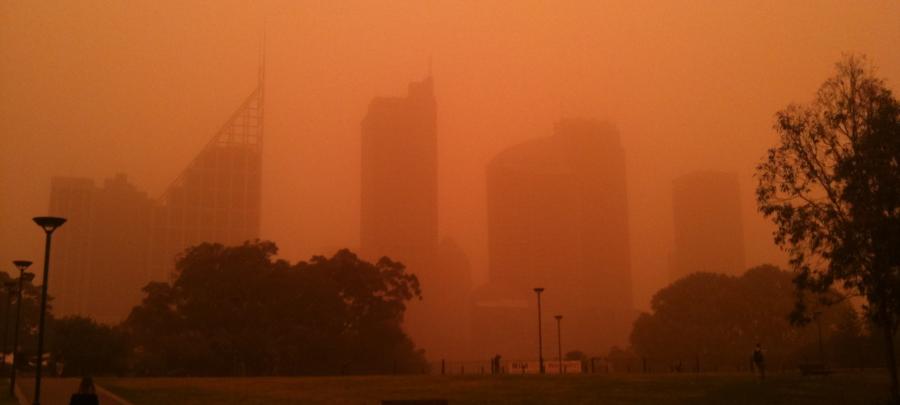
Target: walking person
[495,365]
[86,394]
[759,361]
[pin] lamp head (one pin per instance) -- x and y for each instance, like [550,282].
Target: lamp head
[49,223]
[21,264]
[558,317]
[539,290]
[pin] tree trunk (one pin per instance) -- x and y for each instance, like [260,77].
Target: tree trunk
[891,361]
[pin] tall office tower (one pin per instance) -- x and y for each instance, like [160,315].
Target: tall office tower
[217,197]
[709,233]
[117,239]
[399,212]
[399,216]
[101,258]
[72,198]
[557,219]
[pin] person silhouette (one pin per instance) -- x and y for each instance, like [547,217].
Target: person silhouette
[496,362]
[759,361]
[86,394]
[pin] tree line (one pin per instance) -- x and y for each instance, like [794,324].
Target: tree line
[235,311]
[713,321]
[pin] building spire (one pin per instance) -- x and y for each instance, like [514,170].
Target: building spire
[261,79]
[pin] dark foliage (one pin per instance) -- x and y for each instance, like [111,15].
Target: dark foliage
[81,346]
[28,323]
[832,187]
[715,320]
[236,311]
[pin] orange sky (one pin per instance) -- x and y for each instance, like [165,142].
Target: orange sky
[91,88]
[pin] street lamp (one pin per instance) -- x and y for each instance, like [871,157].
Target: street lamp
[22,265]
[48,224]
[539,290]
[10,288]
[559,341]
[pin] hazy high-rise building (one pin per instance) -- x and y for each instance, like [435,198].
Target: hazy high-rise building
[117,239]
[217,197]
[399,214]
[709,233]
[100,261]
[72,198]
[558,219]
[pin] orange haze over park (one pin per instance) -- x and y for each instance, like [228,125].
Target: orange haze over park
[94,88]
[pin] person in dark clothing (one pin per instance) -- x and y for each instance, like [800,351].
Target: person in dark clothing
[86,394]
[759,361]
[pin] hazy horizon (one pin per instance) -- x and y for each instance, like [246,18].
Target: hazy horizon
[91,89]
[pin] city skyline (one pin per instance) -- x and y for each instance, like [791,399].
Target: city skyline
[528,201]
[189,83]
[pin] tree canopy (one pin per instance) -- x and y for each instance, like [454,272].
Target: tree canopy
[832,187]
[84,347]
[237,311]
[716,320]
[30,311]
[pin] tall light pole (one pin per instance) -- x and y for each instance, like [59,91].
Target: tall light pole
[48,224]
[559,340]
[22,265]
[10,288]
[539,290]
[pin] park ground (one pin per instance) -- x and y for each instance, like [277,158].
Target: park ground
[4,398]
[781,388]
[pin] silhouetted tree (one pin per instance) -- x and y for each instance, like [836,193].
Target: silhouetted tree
[28,323]
[86,347]
[715,319]
[832,187]
[237,311]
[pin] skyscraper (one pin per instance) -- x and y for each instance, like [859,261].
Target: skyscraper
[217,197]
[117,239]
[73,198]
[102,256]
[558,219]
[709,233]
[399,215]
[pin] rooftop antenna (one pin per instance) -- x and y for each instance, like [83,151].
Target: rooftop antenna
[262,57]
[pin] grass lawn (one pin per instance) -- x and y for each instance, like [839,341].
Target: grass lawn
[841,388]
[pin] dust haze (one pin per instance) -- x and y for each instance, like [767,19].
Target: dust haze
[92,89]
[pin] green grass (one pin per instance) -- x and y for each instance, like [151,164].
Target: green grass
[788,389]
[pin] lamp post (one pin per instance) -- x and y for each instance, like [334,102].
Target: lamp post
[48,224]
[559,341]
[22,265]
[10,288]
[539,290]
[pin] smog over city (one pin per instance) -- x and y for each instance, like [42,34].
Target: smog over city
[295,188]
